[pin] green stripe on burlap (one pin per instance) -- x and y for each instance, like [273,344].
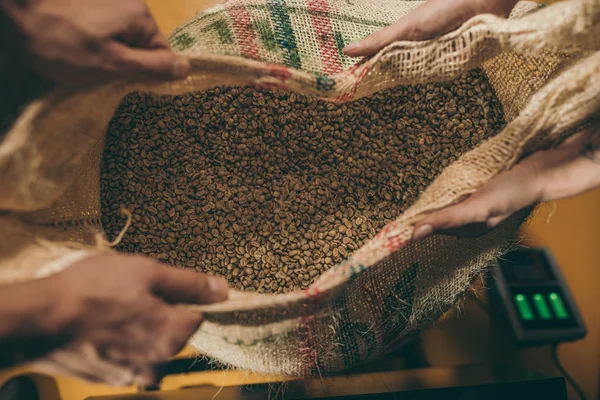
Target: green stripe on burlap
[284,33]
[330,15]
[283,37]
[222,29]
[297,10]
[183,42]
[265,34]
[339,42]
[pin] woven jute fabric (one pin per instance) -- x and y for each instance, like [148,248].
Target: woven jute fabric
[543,64]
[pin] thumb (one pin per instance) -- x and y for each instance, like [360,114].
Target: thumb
[150,64]
[491,204]
[433,18]
[378,40]
[180,286]
[470,217]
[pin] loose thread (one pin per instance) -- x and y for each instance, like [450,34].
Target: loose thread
[222,385]
[100,237]
[552,212]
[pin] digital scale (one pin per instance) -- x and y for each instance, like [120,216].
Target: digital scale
[529,293]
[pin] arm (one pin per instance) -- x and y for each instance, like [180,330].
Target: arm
[30,326]
[433,18]
[86,42]
[570,169]
[106,318]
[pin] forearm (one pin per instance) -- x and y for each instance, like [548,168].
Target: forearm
[573,168]
[29,326]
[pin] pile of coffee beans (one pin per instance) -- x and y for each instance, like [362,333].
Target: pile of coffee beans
[272,188]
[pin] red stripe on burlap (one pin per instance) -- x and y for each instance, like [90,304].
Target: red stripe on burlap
[242,26]
[352,93]
[309,349]
[394,243]
[280,72]
[325,37]
[386,229]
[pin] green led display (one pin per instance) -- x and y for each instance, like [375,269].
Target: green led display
[558,306]
[541,306]
[523,307]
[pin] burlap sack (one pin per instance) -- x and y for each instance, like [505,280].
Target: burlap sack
[544,65]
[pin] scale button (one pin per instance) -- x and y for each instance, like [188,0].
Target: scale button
[558,306]
[523,307]
[542,307]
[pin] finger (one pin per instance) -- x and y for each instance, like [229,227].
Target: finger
[166,332]
[151,64]
[459,215]
[155,64]
[180,325]
[82,362]
[179,286]
[147,376]
[134,341]
[472,229]
[476,215]
[142,32]
[120,63]
[127,63]
[504,195]
[155,39]
[158,41]
[433,18]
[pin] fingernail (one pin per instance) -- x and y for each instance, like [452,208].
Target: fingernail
[181,68]
[422,232]
[351,47]
[218,287]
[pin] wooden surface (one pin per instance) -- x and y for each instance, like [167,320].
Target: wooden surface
[170,14]
[573,235]
[377,382]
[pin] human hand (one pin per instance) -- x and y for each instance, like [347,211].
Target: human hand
[568,170]
[433,18]
[79,42]
[116,318]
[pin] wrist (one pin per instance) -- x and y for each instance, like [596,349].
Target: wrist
[569,170]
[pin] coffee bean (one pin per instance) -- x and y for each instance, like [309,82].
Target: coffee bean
[270,188]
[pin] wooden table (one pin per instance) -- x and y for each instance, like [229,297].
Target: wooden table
[170,14]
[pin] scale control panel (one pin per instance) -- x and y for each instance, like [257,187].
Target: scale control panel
[530,294]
